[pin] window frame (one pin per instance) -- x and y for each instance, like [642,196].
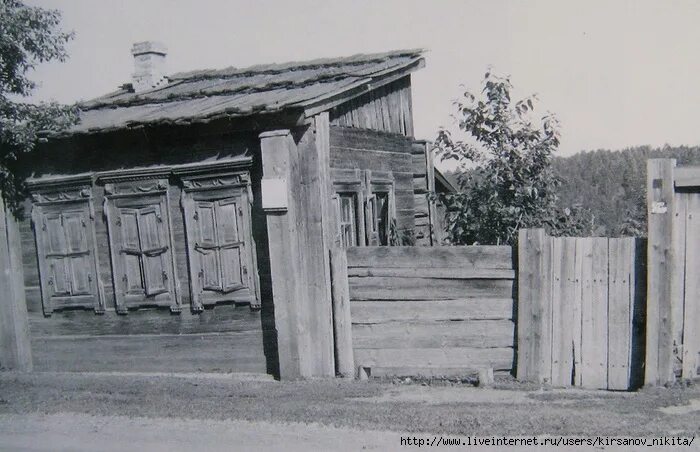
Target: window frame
[60,196]
[350,185]
[139,191]
[216,187]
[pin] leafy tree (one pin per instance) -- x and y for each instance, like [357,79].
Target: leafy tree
[511,184]
[28,36]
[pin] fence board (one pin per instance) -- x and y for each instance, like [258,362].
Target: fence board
[426,334]
[594,316]
[388,288]
[563,296]
[582,246]
[433,272]
[413,310]
[468,358]
[452,256]
[621,252]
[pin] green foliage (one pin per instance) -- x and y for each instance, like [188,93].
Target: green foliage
[512,184]
[28,36]
[612,185]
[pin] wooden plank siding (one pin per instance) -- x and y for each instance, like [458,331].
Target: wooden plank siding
[226,337]
[594,290]
[387,109]
[451,319]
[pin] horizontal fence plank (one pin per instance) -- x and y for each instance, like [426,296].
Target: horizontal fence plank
[434,272]
[388,288]
[426,257]
[467,333]
[471,358]
[373,311]
[425,372]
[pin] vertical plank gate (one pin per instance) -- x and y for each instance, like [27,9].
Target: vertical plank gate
[576,310]
[673,320]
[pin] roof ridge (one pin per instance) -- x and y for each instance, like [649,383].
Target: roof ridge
[278,68]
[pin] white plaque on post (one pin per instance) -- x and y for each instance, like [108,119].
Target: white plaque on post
[274,195]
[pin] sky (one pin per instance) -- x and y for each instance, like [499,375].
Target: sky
[616,73]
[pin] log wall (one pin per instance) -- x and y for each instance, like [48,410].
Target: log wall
[227,337]
[357,149]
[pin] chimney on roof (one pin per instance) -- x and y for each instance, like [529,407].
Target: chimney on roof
[149,65]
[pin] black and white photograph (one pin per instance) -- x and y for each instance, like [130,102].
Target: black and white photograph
[387,225]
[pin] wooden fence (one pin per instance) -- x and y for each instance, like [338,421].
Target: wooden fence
[580,309]
[423,311]
[673,318]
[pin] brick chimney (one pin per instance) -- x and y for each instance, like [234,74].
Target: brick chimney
[149,65]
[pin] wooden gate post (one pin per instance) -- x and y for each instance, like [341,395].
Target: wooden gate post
[661,295]
[534,306]
[299,263]
[342,324]
[15,349]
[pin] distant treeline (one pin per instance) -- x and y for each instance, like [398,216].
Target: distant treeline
[609,187]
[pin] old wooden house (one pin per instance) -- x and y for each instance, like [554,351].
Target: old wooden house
[185,223]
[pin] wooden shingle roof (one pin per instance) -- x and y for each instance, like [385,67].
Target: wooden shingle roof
[201,96]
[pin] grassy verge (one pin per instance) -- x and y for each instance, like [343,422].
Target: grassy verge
[507,409]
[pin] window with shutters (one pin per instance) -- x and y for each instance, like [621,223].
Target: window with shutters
[66,248]
[140,238]
[221,253]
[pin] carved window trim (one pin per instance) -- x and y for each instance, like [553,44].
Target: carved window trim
[140,189]
[58,197]
[216,184]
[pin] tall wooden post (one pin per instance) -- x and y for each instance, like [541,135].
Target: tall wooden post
[661,295]
[299,262]
[15,350]
[534,306]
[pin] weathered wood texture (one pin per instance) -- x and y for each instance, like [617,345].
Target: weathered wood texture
[428,228]
[431,311]
[685,310]
[300,271]
[353,151]
[578,302]
[386,109]
[217,352]
[15,350]
[661,286]
[342,322]
[152,147]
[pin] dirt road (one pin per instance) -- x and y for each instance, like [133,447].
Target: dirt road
[88,412]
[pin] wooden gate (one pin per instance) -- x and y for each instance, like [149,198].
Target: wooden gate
[580,302]
[673,318]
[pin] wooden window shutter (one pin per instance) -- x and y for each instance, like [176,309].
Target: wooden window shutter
[210,272]
[78,255]
[231,248]
[155,274]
